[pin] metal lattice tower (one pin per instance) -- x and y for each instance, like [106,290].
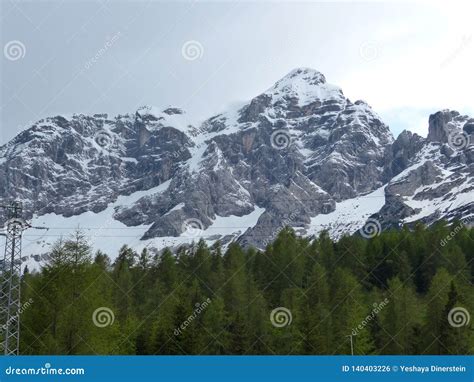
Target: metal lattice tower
[10,280]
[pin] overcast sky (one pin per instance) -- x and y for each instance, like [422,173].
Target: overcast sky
[406,60]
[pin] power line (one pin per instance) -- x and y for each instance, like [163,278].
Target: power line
[211,227]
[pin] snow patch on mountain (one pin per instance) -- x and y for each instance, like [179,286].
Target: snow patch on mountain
[107,234]
[349,215]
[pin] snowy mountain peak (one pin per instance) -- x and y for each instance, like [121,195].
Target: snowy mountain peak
[309,75]
[306,86]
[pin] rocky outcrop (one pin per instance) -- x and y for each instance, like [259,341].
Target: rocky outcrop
[446,123]
[432,177]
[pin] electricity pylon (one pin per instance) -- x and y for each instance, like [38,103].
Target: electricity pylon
[10,280]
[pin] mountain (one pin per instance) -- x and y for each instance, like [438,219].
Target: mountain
[433,177]
[428,179]
[300,154]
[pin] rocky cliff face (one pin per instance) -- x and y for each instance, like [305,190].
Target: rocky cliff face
[294,155]
[436,177]
[72,165]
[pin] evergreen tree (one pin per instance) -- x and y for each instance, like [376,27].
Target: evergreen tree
[315,314]
[347,312]
[456,338]
[436,300]
[400,319]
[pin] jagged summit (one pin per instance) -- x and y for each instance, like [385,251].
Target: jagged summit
[309,75]
[306,86]
[448,123]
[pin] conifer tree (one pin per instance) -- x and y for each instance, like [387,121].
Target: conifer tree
[348,310]
[436,301]
[400,319]
[456,335]
[315,314]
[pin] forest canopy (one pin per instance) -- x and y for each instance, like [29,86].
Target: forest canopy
[401,292]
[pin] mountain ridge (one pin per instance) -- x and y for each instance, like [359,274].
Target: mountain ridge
[289,156]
